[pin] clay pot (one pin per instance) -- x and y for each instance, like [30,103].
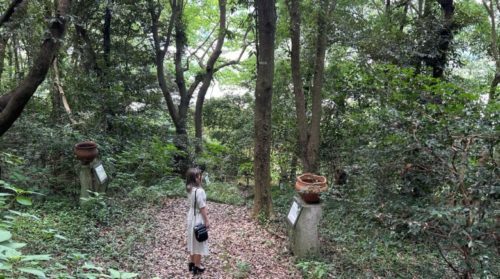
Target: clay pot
[309,186]
[86,151]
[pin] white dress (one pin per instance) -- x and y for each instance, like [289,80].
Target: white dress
[193,246]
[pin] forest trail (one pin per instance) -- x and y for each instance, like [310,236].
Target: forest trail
[239,247]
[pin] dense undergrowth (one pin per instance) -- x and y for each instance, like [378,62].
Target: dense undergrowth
[420,199]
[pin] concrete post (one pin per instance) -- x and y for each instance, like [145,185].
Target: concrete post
[85,180]
[304,236]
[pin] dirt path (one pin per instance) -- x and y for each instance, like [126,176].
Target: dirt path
[239,248]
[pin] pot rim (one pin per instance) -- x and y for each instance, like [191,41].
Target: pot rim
[320,178]
[85,145]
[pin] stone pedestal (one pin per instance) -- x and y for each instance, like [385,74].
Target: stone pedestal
[304,238]
[85,180]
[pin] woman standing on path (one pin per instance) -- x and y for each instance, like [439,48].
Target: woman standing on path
[197,214]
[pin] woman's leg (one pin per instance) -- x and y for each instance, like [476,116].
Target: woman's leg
[197,260]
[190,263]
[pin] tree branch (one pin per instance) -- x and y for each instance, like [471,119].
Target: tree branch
[160,56]
[444,257]
[237,61]
[200,46]
[9,12]
[17,98]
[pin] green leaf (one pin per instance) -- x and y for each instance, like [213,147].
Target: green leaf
[128,275]
[24,214]
[5,266]
[23,200]
[60,237]
[91,266]
[13,245]
[34,271]
[35,258]
[114,273]
[5,235]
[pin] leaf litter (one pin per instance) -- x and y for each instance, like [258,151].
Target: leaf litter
[239,247]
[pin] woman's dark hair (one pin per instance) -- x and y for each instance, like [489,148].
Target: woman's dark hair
[191,175]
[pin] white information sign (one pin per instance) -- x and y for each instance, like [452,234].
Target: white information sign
[101,174]
[294,213]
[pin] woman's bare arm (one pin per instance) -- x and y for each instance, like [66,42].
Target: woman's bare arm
[204,214]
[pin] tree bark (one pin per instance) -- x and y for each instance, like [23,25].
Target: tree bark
[491,9]
[17,67]
[107,33]
[60,101]
[309,136]
[445,39]
[13,103]
[9,12]
[179,114]
[160,53]
[319,68]
[3,49]
[300,103]
[208,76]
[266,29]
[90,62]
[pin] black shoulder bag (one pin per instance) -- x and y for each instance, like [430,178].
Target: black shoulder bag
[200,230]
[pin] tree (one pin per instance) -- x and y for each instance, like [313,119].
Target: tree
[12,104]
[445,37]
[176,27]
[309,135]
[492,7]
[211,68]
[266,29]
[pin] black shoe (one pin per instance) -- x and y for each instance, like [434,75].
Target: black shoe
[191,266]
[198,270]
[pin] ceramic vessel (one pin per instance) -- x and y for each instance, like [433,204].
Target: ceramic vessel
[309,186]
[86,151]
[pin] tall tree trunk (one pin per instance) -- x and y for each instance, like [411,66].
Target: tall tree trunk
[107,33]
[178,113]
[445,39]
[13,103]
[208,76]
[3,49]
[105,77]
[491,9]
[160,52]
[90,57]
[405,13]
[10,11]
[319,68]
[183,159]
[309,136]
[17,67]
[60,101]
[300,103]
[266,29]
[388,11]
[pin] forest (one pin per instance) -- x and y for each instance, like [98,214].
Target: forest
[395,103]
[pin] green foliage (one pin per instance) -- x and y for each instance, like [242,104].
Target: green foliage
[242,270]
[95,207]
[227,193]
[156,193]
[229,125]
[146,163]
[313,269]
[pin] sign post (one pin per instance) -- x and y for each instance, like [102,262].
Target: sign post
[304,220]
[294,213]
[101,176]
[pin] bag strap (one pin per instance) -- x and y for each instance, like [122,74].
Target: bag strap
[194,206]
